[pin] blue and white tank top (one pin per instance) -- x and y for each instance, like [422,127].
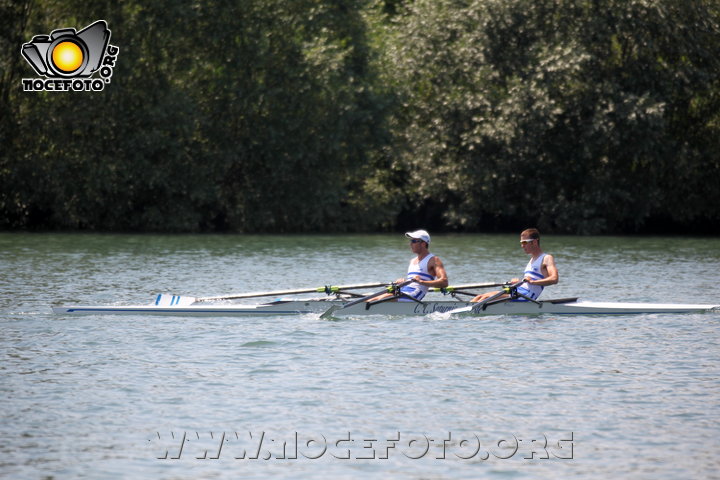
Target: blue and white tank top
[419,269]
[534,271]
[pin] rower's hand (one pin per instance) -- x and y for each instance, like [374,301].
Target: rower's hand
[418,280]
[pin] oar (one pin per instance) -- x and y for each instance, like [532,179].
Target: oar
[507,289]
[392,288]
[469,286]
[165,299]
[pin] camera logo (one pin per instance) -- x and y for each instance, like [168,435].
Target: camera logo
[68,59]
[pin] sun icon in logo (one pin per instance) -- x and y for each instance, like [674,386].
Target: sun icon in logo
[67,56]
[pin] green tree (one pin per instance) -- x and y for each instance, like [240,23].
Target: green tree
[582,116]
[221,115]
[559,114]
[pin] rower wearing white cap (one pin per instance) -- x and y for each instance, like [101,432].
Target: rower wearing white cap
[426,270]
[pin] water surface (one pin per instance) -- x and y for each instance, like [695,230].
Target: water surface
[115,397]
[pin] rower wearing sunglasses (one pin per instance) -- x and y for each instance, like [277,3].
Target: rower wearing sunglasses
[426,270]
[539,272]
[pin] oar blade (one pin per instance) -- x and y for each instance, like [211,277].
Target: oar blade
[330,311]
[460,310]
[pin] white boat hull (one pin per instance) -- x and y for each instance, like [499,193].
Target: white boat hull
[298,307]
[293,307]
[531,308]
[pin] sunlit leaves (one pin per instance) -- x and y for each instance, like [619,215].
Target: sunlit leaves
[561,114]
[268,115]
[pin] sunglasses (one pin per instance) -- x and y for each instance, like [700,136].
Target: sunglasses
[416,240]
[523,242]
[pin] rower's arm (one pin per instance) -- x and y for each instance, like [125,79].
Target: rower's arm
[441,278]
[552,277]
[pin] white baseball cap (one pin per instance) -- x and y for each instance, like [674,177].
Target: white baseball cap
[419,234]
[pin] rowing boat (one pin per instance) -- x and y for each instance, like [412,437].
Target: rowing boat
[333,307]
[341,301]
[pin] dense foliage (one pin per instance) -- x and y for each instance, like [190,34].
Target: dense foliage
[585,116]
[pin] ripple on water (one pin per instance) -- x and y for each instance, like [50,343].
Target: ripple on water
[103,397]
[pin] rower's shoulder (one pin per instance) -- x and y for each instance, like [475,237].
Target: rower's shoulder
[548,259]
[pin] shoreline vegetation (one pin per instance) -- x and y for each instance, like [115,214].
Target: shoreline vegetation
[268,116]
